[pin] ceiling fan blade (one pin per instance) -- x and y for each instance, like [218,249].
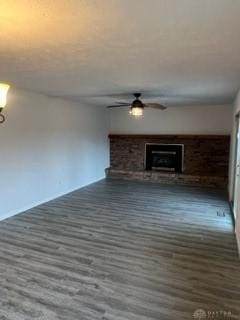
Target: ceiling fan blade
[155,106]
[122,103]
[119,105]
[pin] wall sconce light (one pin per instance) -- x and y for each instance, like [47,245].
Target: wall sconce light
[3,99]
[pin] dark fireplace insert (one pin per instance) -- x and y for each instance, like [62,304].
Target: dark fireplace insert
[164,157]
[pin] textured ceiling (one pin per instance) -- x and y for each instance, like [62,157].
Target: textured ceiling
[185,52]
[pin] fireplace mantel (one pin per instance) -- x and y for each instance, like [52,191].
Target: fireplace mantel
[169,136]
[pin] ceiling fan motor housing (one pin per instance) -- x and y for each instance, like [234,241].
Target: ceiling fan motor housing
[137,103]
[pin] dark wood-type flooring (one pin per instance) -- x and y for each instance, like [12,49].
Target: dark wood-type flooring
[120,250]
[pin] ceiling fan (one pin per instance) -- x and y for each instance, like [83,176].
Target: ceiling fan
[137,106]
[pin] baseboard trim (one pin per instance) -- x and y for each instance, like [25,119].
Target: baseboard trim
[38,203]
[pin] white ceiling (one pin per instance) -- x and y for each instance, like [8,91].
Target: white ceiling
[183,51]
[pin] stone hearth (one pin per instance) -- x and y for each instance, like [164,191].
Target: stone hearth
[205,159]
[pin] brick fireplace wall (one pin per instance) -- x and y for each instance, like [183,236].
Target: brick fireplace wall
[206,158]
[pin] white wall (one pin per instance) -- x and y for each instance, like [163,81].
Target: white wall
[48,147]
[174,120]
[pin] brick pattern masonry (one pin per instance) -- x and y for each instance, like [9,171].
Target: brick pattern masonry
[205,159]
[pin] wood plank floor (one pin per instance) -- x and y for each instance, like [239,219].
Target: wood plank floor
[119,250]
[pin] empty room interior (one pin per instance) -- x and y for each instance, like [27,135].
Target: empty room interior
[120,159]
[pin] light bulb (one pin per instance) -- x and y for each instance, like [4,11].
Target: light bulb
[3,94]
[137,112]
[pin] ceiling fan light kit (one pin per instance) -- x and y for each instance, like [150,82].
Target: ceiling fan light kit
[135,111]
[137,107]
